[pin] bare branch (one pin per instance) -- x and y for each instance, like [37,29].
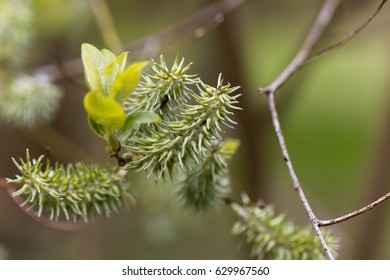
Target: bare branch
[69,151]
[210,15]
[3,183]
[33,214]
[302,57]
[346,38]
[195,27]
[294,178]
[68,225]
[193,36]
[322,21]
[324,223]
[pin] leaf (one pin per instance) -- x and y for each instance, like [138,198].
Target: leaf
[112,71]
[104,110]
[97,128]
[110,74]
[126,82]
[101,67]
[121,61]
[108,56]
[139,118]
[92,60]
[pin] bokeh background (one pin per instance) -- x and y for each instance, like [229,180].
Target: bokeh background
[335,114]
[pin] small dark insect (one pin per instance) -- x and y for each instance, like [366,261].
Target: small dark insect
[164,101]
[47,152]
[46,156]
[121,161]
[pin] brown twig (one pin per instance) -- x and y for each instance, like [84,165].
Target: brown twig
[195,26]
[324,223]
[352,34]
[294,177]
[323,19]
[193,36]
[63,225]
[66,76]
[230,201]
[69,151]
[304,56]
[3,183]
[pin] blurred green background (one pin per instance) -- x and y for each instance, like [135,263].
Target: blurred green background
[335,114]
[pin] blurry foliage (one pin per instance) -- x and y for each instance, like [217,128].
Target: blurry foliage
[27,101]
[208,185]
[56,17]
[15,21]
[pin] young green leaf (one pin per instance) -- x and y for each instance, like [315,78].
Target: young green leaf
[139,118]
[110,75]
[97,128]
[121,61]
[113,70]
[108,56]
[104,110]
[102,67]
[126,82]
[92,60]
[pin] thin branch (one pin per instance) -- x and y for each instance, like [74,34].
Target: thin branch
[324,223]
[322,21]
[304,54]
[106,24]
[63,71]
[3,183]
[67,226]
[230,201]
[69,150]
[346,38]
[11,188]
[52,72]
[192,37]
[294,178]
[196,26]
[59,225]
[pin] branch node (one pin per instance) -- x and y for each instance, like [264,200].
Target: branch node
[263,91]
